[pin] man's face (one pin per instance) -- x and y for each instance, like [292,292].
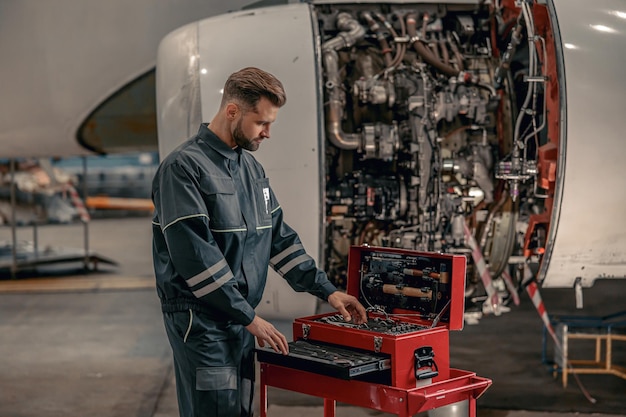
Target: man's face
[253,125]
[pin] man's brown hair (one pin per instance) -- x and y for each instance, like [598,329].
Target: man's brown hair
[249,84]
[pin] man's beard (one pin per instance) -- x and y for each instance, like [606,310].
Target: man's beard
[242,141]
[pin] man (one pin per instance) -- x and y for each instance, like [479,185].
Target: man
[217,226]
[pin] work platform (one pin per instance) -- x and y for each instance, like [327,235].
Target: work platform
[29,258]
[607,335]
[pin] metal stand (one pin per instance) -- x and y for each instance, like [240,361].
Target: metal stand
[26,259]
[85,224]
[602,331]
[13,221]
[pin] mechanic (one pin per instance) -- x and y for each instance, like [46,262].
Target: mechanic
[217,226]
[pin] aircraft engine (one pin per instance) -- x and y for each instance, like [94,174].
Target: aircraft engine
[419,116]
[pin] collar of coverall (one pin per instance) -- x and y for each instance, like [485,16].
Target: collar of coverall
[212,140]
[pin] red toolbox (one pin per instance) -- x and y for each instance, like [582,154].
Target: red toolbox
[413,300]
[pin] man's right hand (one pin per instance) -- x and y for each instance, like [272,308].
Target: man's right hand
[265,332]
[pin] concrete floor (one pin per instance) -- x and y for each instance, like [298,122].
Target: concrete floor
[94,344]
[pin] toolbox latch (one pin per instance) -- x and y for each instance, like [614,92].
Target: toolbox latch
[425,366]
[378,343]
[305,330]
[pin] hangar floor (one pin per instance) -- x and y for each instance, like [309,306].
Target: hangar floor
[94,345]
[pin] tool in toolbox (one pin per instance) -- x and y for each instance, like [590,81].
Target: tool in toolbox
[413,300]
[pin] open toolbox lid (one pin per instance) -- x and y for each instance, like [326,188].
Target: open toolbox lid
[420,285]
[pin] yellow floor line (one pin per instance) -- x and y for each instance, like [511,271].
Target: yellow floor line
[82,283]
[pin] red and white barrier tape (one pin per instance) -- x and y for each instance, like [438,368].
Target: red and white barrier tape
[533,292]
[493,300]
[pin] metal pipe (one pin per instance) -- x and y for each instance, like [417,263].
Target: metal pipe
[455,50]
[85,223]
[351,32]
[36,240]
[13,221]
[507,57]
[384,45]
[444,49]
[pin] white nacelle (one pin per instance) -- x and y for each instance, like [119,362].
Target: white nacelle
[590,235]
[282,39]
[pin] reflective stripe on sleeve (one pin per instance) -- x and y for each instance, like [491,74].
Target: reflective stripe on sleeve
[293,263]
[207,273]
[213,286]
[191,216]
[291,249]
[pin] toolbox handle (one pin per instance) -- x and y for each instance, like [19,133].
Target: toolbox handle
[481,383]
[421,400]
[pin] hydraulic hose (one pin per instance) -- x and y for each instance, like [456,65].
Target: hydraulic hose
[423,51]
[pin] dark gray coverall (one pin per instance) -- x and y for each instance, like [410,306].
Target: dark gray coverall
[217,226]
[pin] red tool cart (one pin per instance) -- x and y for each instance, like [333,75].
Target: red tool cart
[399,361]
